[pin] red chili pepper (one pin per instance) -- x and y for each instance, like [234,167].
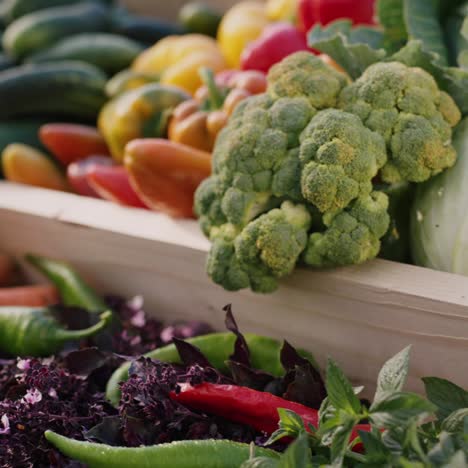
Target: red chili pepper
[311,12]
[276,42]
[246,406]
[72,142]
[78,171]
[112,183]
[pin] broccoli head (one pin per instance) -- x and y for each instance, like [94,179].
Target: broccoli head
[294,169]
[406,107]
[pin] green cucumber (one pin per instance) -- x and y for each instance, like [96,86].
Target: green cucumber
[19,8]
[200,18]
[24,131]
[73,89]
[37,31]
[145,30]
[109,52]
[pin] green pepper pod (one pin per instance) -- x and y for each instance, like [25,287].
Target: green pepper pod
[73,290]
[27,331]
[217,347]
[140,113]
[180,454]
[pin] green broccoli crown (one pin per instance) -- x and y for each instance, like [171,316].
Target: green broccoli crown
[406,107]
[352,236]
[305,75]
[293,170]
[340,157]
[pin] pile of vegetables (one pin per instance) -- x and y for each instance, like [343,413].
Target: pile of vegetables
[198,398]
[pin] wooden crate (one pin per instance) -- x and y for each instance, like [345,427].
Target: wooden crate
[359,315]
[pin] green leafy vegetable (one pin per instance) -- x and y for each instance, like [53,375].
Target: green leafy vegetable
[391,17]
[447,396]
[353,48]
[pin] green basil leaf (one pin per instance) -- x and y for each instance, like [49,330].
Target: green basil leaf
[340,391]
[452,80]
[391,17]
[446,452]
[353,50]
[376,451]
[392,376]
[290,425]
[456,421]
[297,455]
[399,409]
[340,441]
[447,396]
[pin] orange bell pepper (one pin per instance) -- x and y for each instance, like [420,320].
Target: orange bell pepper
[197,122]
[166,174]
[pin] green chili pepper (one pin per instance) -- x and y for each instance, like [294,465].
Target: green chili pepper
[180,454]
[73,290]
[217,347]
[28,331]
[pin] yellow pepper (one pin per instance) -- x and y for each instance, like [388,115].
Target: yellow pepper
[281,10]
[27,165]
[177,59]
[240,25]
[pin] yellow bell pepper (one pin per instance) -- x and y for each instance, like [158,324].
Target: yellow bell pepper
[177,59]
[27,165]
[242,24]
[281,10]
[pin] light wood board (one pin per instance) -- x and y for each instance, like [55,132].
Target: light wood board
[360,315]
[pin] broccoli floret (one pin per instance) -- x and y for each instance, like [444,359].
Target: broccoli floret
[352,236]
[406,107]
[340,158]
[269,247]
[264,251]
[305,75]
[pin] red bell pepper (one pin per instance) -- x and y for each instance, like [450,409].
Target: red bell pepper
[276,42]
[72,142]
[112,183]
[311,12]
[246,406]
[78,171]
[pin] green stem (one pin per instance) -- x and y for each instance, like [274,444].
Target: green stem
[215,95]
[69,335]
[73,290]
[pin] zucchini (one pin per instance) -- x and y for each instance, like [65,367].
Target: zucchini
[73,89]
[36,31]
[145,30]
[127,80]
[109,52]
[20,131]
[19,8]
[200,18]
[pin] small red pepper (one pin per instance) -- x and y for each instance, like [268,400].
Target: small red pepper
[276,42]
[112,183]
[78,171]
[246,406]
[311,12]
[72,142]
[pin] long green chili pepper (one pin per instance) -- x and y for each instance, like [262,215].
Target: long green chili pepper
[180,454]
[73,290]
[27,331]
[217,347]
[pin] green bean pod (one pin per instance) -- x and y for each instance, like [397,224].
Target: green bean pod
[217,347]
[180,454]
[27,331]
[73,290]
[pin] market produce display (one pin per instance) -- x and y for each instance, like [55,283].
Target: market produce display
[297,131]
[213,400]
